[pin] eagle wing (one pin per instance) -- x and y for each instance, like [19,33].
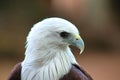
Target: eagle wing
[15,73]
[76,73]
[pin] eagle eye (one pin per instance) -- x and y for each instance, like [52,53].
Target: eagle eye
[64,34]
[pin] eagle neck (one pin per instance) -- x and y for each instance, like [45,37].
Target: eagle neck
[52,66]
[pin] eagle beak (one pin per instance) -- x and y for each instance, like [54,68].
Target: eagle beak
[78,42]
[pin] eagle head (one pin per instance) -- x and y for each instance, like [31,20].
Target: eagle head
[48,56]
[54,33]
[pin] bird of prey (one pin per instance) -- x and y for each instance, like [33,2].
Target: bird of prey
[48,55]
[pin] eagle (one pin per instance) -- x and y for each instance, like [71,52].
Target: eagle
[48,55]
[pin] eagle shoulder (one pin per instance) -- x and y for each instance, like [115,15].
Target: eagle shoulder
[77,73]
[16,72]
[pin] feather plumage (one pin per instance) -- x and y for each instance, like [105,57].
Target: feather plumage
[75,73]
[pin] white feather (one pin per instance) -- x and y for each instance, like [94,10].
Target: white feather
[46,56]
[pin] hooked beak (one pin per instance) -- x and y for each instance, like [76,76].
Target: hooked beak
[78,42]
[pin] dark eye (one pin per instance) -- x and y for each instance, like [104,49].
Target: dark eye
[64,34]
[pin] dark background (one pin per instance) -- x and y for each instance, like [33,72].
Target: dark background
[97,20]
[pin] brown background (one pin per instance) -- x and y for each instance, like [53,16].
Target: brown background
[97,20]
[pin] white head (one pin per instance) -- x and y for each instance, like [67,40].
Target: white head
[54,32]
[48,47]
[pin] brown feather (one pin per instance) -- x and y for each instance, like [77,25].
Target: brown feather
[76,73]
[15,73]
